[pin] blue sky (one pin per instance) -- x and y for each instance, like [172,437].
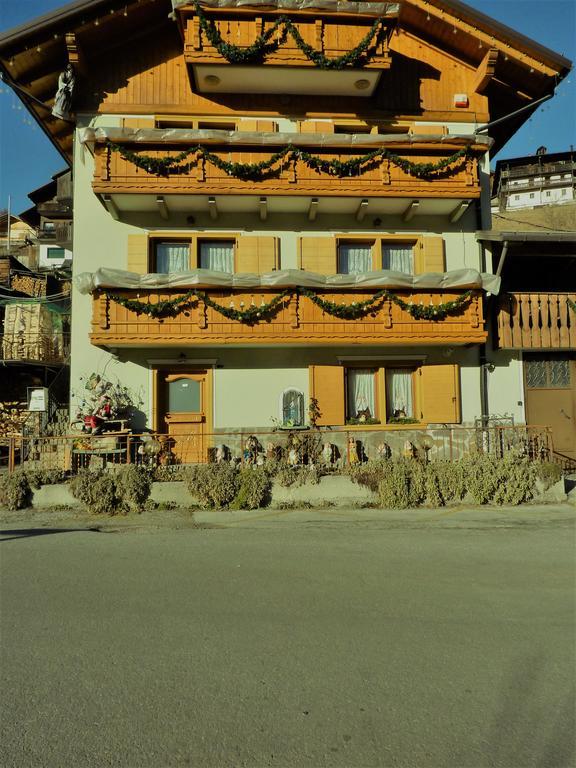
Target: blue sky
[27,159]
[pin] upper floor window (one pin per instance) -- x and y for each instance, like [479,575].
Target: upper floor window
[217,255]
[354,258]
[398,257]
[172,257]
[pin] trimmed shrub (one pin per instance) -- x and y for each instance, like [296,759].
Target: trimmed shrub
[214,485]
[15,490]
[39,477]
[548,473]
[404,485]
[254,490]
[133,486]
[369,474]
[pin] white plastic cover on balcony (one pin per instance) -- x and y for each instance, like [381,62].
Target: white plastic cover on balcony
[333,6]
[461,279]
[256,138]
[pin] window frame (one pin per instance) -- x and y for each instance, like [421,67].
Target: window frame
[377,241]
[381,416]
[200,239]
[154,242]
[193,241]
[281,407]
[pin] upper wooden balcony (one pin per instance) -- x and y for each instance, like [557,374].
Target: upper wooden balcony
[296,321]
[117,176]
[536,321]
[330,34]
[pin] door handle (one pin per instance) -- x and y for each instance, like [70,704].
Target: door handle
[563,412]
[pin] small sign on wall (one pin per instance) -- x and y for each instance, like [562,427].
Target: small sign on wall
[38,399]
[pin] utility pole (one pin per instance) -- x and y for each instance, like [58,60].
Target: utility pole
[8,225]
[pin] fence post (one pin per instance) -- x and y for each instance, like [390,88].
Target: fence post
[128,457]
[11,454]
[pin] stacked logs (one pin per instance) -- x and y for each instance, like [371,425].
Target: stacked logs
[13,414]
[29,284]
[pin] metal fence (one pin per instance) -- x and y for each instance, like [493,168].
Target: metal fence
[336,446]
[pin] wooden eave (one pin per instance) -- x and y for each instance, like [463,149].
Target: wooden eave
[33,55]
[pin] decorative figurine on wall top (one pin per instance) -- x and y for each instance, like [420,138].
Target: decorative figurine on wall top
[251,450]
[384,451]
[328,453]
[352,451]
[409,451]
[63,99]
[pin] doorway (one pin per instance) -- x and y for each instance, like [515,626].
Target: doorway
[184,412]
[550,390]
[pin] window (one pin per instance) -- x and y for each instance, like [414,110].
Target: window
[398,257]
[516,197]
[172,257]
[563,193]
[548,193]
[354,258]
[292,408]
[361,394]
[551,373]
[55,253]
[531,195]
[217,255]
[399,394]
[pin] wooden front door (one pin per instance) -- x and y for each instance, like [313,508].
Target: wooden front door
[183,406]
[551,398]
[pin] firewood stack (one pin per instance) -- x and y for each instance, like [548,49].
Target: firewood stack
[29,284]
[13,414]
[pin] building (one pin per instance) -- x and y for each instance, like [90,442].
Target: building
[51,214]
[534,317]
[527,182]
[275,208]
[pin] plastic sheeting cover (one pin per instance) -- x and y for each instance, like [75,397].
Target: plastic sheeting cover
[88,282]
[317,140]
[338,6]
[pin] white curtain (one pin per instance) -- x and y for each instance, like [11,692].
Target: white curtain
[172,257]
[293,408]
[354,258]
[399,392]
[398,257]
[217,255]
[361,392]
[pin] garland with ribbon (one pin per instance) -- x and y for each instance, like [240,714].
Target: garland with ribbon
[355,166]
[264,44]
[257,313]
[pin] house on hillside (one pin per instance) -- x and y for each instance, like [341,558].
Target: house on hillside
[275,207]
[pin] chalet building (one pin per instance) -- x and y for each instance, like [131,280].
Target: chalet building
[276,205]
[543,179]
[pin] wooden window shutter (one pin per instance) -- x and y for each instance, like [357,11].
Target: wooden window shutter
[440,394]
[318,254]
[256,254]
[138,122]
[316,126]
[433,255]
[258,125]
[138,254]
[327,386]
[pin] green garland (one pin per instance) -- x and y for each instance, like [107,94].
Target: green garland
[571,304]
[256,313]
[264,44]
[355,166]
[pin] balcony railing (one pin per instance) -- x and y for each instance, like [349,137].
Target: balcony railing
[297,320]
[44,349]
[116,175]
[536,321]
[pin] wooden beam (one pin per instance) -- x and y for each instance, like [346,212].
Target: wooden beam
[263,208]
[411,210]
[212,208]
[459,211]
[486,70]
[362,208]
[162,207]
[75,53]
[111,207]
[313,209]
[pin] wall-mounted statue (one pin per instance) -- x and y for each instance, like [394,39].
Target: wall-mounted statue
[63,101]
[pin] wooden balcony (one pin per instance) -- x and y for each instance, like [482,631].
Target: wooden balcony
[297,321]
[536,321]
[115,175]
[333,35]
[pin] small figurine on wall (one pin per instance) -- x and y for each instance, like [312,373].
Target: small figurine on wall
[221,454]
[251,449]
[384,451]
[328,454]
[409,451]
[352,452]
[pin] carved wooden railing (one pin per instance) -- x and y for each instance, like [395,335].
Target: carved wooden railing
[115,175]
[536,321]
[297,321]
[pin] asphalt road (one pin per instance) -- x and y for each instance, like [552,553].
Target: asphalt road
[297,639]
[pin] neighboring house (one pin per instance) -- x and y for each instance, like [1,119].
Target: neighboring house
[255,230]
[534,331]
[543,179]
[52,217]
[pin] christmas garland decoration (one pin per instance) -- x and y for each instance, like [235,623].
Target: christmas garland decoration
[571,304]
[355,166]
[256,313]
[264,44]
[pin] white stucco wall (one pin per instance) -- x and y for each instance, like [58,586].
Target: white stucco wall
[506,386]
[44,262]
